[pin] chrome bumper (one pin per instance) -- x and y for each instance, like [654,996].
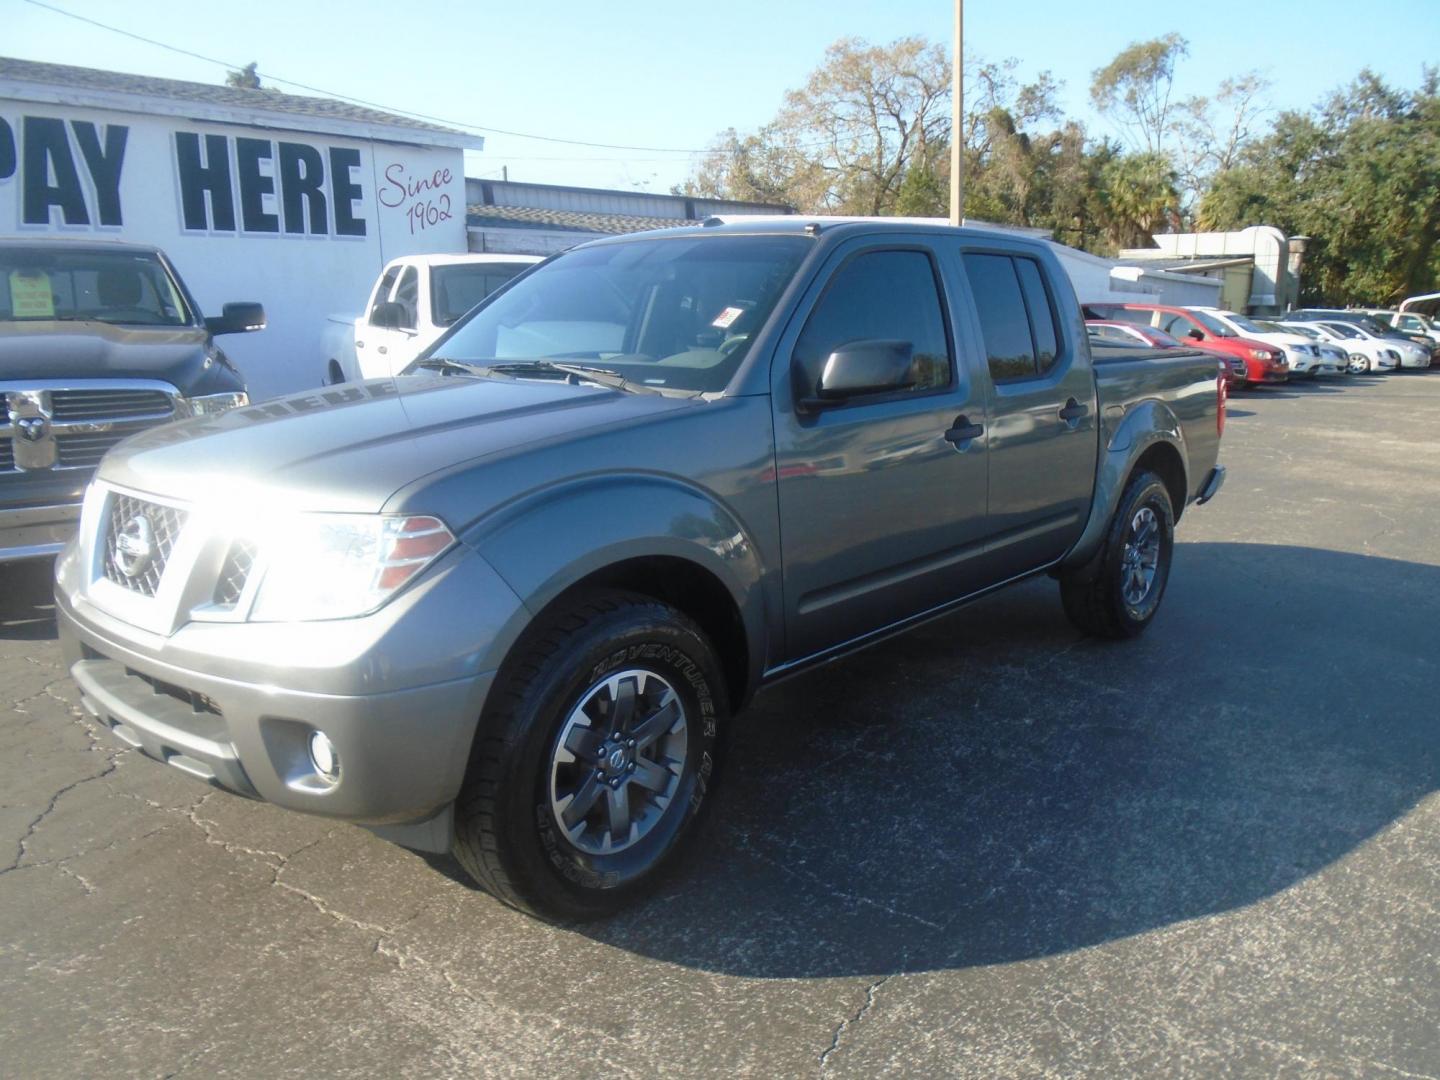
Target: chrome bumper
[36,532]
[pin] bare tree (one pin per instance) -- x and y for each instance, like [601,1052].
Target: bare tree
[1213,131]
[1134,90]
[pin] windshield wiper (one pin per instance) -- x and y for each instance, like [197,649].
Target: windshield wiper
[598,375]
[444,363]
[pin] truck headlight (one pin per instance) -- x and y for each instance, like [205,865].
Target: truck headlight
[210,404]
[338,566]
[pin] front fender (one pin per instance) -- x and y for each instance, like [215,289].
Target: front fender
[1142,427]
[555,538]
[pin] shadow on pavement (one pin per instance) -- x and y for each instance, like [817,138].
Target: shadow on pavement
[994,787]
[27,601]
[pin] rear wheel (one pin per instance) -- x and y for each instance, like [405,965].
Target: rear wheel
[597,754]
[1119,597]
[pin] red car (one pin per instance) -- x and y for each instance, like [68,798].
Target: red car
[1263,363]
[1132,334]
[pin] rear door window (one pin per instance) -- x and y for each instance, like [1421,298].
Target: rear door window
[1017,315]
[1042,313]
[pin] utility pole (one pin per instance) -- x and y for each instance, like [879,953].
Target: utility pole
[957,124]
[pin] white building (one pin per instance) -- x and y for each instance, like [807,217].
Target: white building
[293,201]
[1257,269]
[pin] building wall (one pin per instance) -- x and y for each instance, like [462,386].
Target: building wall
[300,222]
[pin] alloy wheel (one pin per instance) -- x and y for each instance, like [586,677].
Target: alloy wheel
[618,761]
[1140,557]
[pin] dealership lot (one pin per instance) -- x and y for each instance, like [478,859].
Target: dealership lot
[991,846]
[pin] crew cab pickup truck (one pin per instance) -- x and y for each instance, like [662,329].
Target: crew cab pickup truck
[412,302]
[98,340]
[508,603]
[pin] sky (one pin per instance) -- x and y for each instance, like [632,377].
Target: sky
[668,76]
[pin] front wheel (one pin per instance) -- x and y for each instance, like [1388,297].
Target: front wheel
[598,751]
[1119,598]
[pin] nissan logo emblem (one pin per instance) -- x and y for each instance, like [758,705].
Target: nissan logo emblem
[135,546]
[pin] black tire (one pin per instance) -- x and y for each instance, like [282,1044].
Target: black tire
[1096,601]
[508,835]
[333,375]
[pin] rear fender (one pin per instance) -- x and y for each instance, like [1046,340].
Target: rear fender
[1146,425]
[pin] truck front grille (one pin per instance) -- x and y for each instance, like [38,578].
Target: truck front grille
[151,530]
[82,404]
[235,573]
[72,426]
[7,455]
[84,449]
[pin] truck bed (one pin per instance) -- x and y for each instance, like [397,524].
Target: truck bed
[1168,383]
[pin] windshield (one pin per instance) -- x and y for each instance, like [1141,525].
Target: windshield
[1340,330]
[456,289]
[1249,326]
[1212,324]
[130,288]
[675,313]
[1287,328]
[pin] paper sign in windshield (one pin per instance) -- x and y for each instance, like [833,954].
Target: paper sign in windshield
[30,296]
[726,317]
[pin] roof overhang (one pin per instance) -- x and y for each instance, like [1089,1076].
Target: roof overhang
[156,105]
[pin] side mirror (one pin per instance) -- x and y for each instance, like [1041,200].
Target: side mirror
[388,315]
[240,318]
[1196,335]
[863,367]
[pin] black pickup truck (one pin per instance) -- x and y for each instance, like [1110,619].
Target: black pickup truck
[98,340]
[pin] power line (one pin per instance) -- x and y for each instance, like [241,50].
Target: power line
[360,101]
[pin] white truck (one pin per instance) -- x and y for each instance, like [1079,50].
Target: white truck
[414,301]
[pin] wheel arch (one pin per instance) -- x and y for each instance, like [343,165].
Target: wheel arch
[649,535]
[1150,437]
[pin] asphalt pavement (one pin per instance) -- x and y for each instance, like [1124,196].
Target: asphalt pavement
[989,848]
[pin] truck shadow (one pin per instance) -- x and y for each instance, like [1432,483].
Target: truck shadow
[27,600]
[994,787]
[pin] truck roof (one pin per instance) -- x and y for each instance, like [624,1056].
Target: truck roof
[816,224]
[462,258]
[75,243]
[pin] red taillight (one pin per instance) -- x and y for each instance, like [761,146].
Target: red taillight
[1221,393]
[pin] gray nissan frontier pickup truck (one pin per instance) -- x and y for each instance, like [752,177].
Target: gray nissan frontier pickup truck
[507,603]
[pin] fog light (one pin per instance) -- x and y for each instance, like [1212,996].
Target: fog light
[323,756]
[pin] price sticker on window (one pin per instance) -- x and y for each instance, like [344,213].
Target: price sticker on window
[726,317]
[30,296]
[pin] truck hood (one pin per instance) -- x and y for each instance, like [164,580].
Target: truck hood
[349,448]
[178,355]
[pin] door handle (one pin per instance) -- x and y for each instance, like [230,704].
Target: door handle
[1073,411]
[962,431]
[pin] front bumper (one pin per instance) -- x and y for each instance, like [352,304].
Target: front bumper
[35,532]
[217,702]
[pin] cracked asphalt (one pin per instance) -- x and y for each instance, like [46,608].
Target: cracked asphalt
[991,847]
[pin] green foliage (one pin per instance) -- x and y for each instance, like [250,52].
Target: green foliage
[1135,88]
[1361,177]
[245,79]
[869,133]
